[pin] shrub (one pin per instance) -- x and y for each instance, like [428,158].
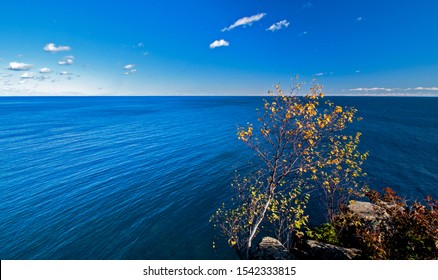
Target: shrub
[403,231]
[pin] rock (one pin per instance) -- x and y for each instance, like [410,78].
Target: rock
[272,249]
[367,211]
[316,250]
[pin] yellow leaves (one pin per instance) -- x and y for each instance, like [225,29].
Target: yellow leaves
[244,134]
[310,109]
[265,132]
[338,109]
[241,136]
[320,124]
[321,95]
[297,224]
[335,180]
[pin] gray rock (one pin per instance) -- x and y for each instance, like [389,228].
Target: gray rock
[317,250]
[367,211]
[272,249]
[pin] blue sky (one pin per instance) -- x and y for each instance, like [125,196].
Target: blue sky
[217,47]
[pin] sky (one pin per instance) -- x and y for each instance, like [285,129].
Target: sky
[221,47]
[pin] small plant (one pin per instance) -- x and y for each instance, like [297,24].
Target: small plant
[325,233]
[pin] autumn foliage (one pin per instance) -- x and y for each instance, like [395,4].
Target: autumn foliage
[402,231]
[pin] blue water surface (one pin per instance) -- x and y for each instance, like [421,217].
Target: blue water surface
[139,177]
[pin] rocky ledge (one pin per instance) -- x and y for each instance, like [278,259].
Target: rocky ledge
[271,249]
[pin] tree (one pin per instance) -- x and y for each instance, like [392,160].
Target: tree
[299,147]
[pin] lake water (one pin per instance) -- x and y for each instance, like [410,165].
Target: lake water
[139,177]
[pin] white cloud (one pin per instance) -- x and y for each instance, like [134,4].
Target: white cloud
[372,89]
[140,45]
[45,70]
[427,88]
[387,90]
[54,49]
[18,66]
[43,77]
[245,21]
[67,60]
[383,91]
[359,19]
[319,74]
[219,43]
[132,71]
[129,66]
[27,75]
[357,71]
[279,25]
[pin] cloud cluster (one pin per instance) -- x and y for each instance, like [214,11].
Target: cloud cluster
[54,49]
[27,75]
[45,70]
[219,43]
[371,89]
[248,21]
[425,88]
[383,89]
[130,69]
[19,66]
[41,74]
[245,21]
[67,60]
[277,26]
